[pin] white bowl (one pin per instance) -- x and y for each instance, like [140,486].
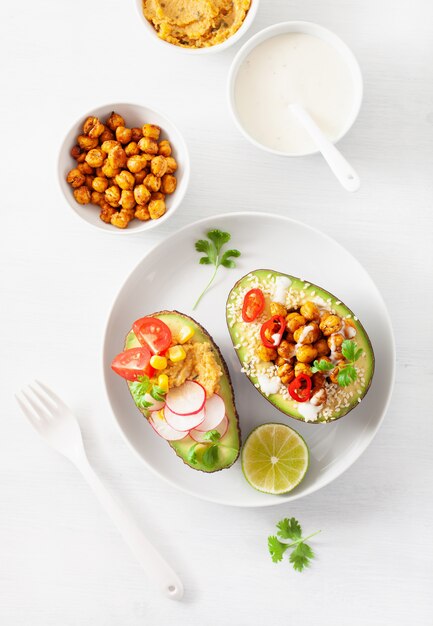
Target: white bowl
[135,115]
[211,49]
[295,27]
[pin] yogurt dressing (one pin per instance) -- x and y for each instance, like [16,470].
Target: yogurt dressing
[288,68]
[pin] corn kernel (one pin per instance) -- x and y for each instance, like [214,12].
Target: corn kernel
[163,382]
[176,354]
[185,334]
[158,362]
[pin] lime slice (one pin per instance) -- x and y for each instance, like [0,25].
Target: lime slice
[275,458]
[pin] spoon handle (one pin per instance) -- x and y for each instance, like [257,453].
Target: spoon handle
[336,161]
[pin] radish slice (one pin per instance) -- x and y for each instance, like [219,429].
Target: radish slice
[165,431]
[157,405]
[183,422]
[214,410]
[198,435]
[187,399]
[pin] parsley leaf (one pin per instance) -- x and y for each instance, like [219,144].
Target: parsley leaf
[289,529]
[276,549]
[322,366]
[210,457]
[139,388]
[212,435]
[191,456]
[348,374]
[301,554]
[211,248]
[349,351]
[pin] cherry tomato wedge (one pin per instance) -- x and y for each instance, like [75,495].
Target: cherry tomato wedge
[272,331]
[254,303]
[133,363]
[300,388]
[153,333]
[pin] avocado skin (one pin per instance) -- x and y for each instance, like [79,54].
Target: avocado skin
[181,447]
[289,407]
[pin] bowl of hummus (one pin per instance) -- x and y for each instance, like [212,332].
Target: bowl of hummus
[197,26]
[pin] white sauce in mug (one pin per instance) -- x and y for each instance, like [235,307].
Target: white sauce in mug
[289,68]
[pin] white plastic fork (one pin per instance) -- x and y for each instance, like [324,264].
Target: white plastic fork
[56,423]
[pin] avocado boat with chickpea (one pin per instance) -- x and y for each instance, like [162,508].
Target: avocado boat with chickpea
[301,347]
[179,381]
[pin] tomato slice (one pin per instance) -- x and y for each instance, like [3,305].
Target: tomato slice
[153,333]
[133,363]
[300,388]
[254,303]
[272,331]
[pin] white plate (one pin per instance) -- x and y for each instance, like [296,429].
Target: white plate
[170,277]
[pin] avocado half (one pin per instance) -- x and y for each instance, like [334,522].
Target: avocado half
[231,442]
[242,340]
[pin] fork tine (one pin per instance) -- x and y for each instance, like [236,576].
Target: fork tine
[55,398]
[40,410]
[46,402]
[27,412]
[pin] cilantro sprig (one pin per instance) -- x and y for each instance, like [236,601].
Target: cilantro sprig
[142,387]
[322,366]
[212,250]
[211,454]
[301,554]
[351,353]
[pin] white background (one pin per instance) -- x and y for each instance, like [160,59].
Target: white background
[61,561]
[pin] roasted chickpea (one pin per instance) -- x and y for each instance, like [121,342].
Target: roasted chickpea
[132,149]
[112,195]
[157,208]
[318,396]
[151,131]
[93,127]
[100,184]
[280,361]
[164,148]
[136,163]
[85,168]
[278,309]
[318,380]
[266,354]
[307,334]
[168,184]
[294,321]
[114,121]
[322,347]
[324,315]
[127,200]
[109,171]
[157,196]
[76,152]
[75,178]
[335,342]
[82,195]
[142,213]
[171,165]
[152,182]
[121,219]
[108,145]
[306,354]
[125,180]
[350,329]
[310,311]
[123,134]
[141,195]
[158,166]
[89,182]
[99,172]
[107,135]
[332,324]
[286,373]
[286,349]
[334,374]
[148,145]
[95,157]
[107,212]
[136,134]
[303,368]
[87,143]
[96,197]
[140,176]
[117,157]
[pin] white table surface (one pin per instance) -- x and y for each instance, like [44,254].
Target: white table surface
[61,561]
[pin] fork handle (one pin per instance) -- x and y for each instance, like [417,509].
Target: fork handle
[144,551]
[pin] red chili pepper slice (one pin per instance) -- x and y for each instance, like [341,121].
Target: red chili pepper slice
[254,303]
[300,388]
[272,331]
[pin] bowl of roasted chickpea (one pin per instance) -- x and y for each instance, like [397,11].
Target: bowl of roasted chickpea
[124,168]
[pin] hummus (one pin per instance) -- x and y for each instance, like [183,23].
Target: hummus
[195,23]
[199,364]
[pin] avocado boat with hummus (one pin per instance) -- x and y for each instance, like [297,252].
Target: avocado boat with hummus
[301,347]
[180,382]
